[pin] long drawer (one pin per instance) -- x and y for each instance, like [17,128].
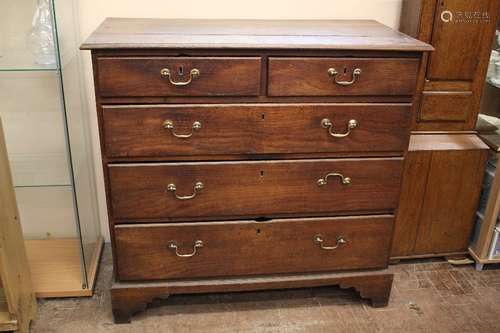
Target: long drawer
[191,250]
[187,130]
[253,189]
[342,76]
[178,76]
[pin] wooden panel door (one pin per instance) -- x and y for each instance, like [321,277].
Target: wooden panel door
[459,28]
[448,212]
[442,181]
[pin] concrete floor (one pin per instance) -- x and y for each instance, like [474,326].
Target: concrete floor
[427,296]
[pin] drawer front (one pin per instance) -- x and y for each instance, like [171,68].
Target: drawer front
[192,250]
[342,76]
[178,76]
[170,191]
[252,129]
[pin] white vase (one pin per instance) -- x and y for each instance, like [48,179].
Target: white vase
[41,37]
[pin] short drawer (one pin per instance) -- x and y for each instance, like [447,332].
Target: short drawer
[185,130]
[342,76]
[194,250]
[178,76]
[176,191]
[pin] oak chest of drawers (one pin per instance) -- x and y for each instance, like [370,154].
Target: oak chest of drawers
[251,155]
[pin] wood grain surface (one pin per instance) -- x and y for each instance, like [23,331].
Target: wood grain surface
[143,251]
[310,77]
[138,131]
[367,35]
[261,188]
[141,76]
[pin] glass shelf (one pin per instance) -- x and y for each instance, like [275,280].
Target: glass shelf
[21,61]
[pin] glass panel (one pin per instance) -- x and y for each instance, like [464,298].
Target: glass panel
[16,38]
[78,129]
[46,212]
[34,128]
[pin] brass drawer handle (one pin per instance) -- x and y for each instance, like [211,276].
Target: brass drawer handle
[328,124]
[318,239]
[344,180]
[173,245]
[198,186]
[355,74]
[194,73]
[169,124]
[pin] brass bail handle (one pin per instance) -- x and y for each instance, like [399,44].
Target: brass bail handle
[355,74]
[318,239]
[343,180]
[169,124]
[198,187]
[193,73]
[173,245]
[328,124]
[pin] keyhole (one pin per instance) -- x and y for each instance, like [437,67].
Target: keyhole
[262,173]
[345,70]
[181,70]
[263,116]
[258,231]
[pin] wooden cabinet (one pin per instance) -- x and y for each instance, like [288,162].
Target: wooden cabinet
[238,158]
[439,196]
[461,32]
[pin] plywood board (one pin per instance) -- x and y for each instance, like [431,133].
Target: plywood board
[56,267]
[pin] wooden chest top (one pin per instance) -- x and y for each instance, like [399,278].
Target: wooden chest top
[133,33]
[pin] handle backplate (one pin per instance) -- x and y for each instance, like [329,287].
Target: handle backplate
[344,180]
[169,124]
[319,239]
[173,245]
[193,73]
[328,124]
[334,73]
[198,186]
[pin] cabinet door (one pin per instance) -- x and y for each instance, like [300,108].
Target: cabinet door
[442,182]
[459,28]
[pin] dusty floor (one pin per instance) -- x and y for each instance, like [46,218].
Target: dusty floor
[426,297]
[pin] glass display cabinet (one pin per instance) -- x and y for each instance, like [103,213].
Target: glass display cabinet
[46,127]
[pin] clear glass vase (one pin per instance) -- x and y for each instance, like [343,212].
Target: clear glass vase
[41,37]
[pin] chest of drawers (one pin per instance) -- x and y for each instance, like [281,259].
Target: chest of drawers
[251,155]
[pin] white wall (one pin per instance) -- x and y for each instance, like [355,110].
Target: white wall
[92,12]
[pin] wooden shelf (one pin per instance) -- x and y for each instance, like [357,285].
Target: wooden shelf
[56,269]
[6,322]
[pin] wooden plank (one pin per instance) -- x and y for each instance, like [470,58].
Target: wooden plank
[410,17]
[240,34]
[483,243]
[14,269]
[93,263]
[446,142]
[448,211]
[56,268]
[410,203]
[7,323]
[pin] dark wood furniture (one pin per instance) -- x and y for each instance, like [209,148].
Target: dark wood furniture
[462,33]
[250,155]
[441,186]
[444,167]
